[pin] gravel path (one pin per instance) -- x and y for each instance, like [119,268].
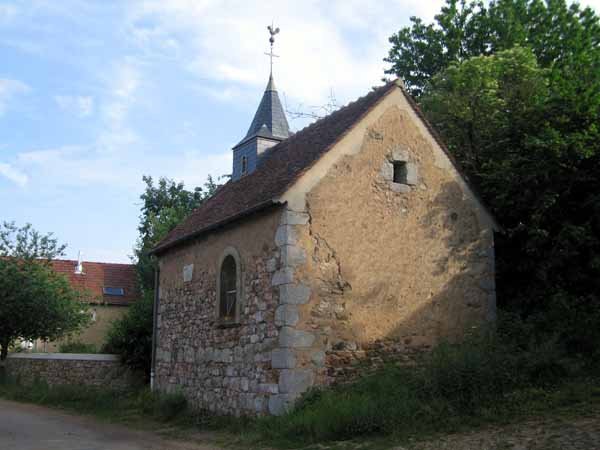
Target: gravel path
[581,433]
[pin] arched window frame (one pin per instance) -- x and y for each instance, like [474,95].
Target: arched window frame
[230,251]
[244,165]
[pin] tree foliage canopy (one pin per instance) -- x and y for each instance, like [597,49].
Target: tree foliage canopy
[35,301]
[557,33]
[164,205]
[514,89]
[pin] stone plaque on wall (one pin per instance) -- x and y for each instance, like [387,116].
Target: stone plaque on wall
[188,272]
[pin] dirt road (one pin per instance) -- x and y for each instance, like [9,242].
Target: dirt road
[30,427]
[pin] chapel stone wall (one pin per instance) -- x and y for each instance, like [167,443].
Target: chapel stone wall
[226,369]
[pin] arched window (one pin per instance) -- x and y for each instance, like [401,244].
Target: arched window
[244,165]
[228,292]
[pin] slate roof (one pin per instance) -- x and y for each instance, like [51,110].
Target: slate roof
[282,165]
[269,121]
[97,275]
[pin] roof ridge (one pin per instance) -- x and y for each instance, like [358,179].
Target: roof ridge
[280,166]
[93,262]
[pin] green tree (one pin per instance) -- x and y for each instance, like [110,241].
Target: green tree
[164,205]
[529,138]
[131,336]
[556,32]
[35,301]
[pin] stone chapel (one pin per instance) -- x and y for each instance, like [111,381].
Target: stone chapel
[354,240]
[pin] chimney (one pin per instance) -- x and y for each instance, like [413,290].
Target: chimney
[79,268]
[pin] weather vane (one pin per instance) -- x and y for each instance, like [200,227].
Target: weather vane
[272,31]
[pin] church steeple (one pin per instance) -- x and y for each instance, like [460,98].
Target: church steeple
[269,126]
[269,121]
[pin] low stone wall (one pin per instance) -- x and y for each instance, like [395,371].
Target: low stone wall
[71,369]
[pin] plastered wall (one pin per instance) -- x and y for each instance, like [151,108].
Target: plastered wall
[392,268]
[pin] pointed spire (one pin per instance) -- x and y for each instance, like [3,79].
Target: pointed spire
[271,84]
[268,128]
[269,121]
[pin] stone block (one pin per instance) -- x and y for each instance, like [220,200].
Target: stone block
[271,265]
[268,388]
[285,235]
[280,404]
[286,315]
[290,217]
[294,294]
[260,404]
[295,381]
[292,255]
[399,154]
[283,358]
[283,276]
[290,337]
[387,171]
[412,174]
[401,188]
[318,358]
[488,284]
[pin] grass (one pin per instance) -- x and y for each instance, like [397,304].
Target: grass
[483,381]
[77,347]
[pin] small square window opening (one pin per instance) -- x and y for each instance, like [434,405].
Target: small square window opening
[400,172]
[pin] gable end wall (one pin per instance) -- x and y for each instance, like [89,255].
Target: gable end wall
[391,269]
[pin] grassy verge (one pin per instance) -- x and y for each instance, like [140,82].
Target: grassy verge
[104,403]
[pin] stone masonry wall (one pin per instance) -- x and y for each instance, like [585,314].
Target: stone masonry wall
[72,369]
[226,369]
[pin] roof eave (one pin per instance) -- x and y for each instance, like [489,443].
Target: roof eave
[159,250]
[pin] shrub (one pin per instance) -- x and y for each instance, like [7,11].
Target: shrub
[451,385]
[77,347]
[131,336]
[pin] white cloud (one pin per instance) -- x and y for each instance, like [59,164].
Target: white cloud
[339,44]
[10,89]
[79,167]
[7,13]
[13,174]
[81,106]
[122,93]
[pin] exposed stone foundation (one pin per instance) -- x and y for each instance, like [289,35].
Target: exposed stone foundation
[346,361]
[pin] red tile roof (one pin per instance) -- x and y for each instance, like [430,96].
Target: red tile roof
[97,276]
[281,166]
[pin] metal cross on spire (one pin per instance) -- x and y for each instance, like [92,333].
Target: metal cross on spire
[272,31]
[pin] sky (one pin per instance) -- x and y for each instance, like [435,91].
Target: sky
[96,94]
